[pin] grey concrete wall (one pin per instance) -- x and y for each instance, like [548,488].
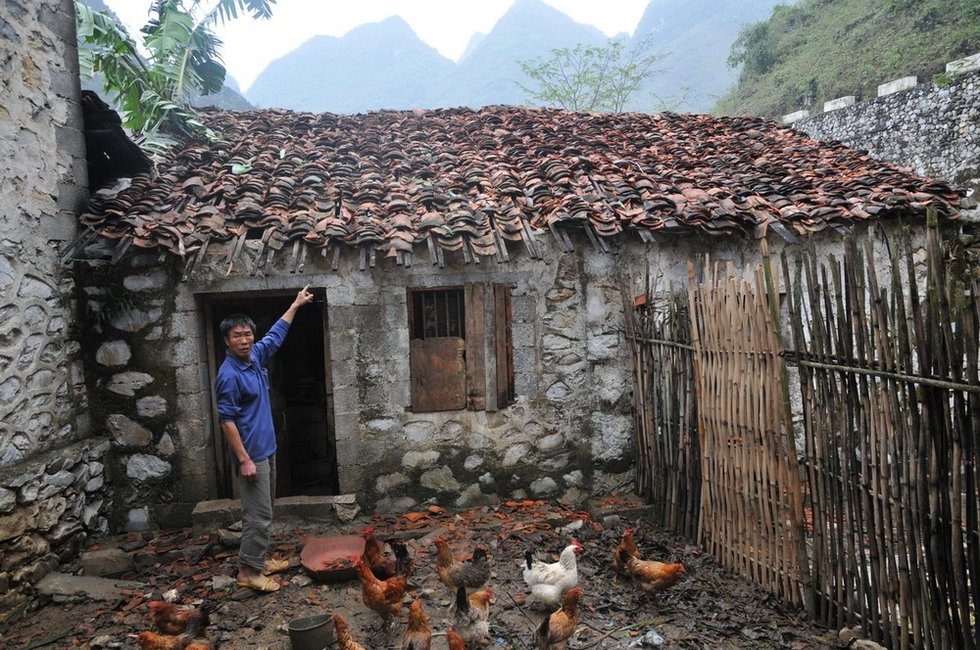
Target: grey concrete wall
[52,479]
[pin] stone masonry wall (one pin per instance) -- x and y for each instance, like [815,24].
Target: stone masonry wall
[569,433]
[933,130]
[133,359]
[52,481]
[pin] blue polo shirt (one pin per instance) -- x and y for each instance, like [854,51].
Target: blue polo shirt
[243,394]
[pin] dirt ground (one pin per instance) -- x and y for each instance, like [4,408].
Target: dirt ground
[708,608]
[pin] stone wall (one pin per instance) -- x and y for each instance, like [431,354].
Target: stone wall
[132,356]
[934,130]
[52,481]
[147,354]
[568,434]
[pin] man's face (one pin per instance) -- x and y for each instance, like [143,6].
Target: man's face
[239,340]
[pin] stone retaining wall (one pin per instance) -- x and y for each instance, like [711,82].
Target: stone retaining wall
[934,130]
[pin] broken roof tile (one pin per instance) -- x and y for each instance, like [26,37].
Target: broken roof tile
[465,179]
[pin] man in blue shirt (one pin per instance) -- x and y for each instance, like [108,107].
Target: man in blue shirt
[245,413]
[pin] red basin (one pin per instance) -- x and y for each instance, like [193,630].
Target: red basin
[331,558]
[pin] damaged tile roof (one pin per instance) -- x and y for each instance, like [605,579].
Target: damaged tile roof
[393,182]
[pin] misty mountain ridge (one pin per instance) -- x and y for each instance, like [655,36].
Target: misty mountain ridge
[385,65]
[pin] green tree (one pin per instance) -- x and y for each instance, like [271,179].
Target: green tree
[181,58]
[589,78]
[754,49]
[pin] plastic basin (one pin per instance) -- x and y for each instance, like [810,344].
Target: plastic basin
[311,632]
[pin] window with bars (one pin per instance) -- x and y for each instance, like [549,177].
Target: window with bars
[461,352]
[438,313]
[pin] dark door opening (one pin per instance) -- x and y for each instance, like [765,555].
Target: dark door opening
[300,392]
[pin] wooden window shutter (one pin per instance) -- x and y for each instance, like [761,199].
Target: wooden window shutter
[504,345]
[437,373]
[476,341]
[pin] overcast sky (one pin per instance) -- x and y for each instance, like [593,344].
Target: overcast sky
[446,25]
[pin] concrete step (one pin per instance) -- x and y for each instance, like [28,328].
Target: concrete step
[334,509]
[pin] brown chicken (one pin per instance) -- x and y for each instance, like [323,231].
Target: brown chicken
[558,627]
[455,641]
[418,634]
[650,575]
[469,616]
[344,640]
[172,619]
[627,543]
[383,596]
[453,573]
[154,641]
[374,555]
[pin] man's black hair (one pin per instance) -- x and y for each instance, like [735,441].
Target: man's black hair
[236,320]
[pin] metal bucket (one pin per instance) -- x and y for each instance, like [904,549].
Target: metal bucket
[311,632]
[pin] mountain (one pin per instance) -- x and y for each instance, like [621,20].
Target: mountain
[695,38]
[374,66]
[489,73]
[386,65]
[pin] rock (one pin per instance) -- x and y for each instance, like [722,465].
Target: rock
[106,562]
[543,486]
[440,479]
[63,587]
[346,512]
[301,580]
[8,499]
[17,523]
[133,320]
[516,454]
[144,467]
[384,484]
[152,406]
[113,354]
[223,582]
[396,504]
[604,346]
[420,459]
[138,519]
[229,538]
[127,383]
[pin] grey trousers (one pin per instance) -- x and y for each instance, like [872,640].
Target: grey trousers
[257,499]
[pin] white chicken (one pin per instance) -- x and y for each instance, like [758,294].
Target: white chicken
[549,581]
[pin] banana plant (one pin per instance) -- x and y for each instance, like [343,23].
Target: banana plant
[179,56]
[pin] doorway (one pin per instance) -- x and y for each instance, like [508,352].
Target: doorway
[301,393]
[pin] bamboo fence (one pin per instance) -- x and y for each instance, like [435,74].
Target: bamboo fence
[892,413]
[751,505]
[668,473]
[877,520]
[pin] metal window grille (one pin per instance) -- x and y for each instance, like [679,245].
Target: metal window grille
[438,313]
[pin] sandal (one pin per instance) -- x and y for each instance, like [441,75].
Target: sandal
[273,565]
[260,583]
